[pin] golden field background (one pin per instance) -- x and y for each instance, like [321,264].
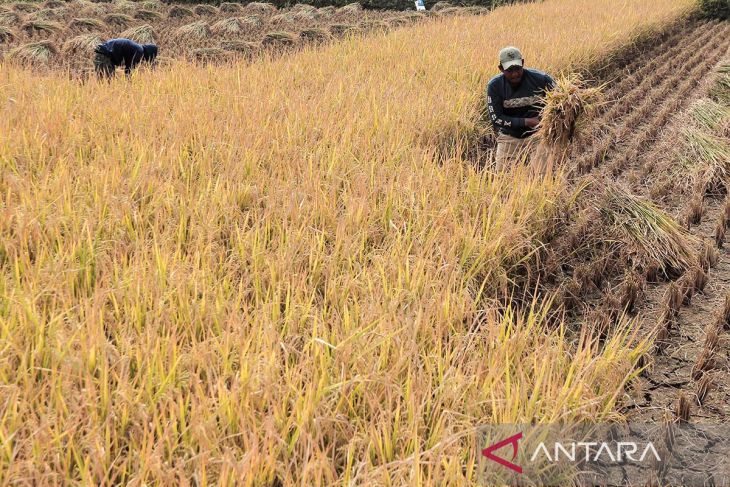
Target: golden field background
[284,272]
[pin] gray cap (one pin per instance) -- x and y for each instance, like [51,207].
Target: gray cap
[510,56]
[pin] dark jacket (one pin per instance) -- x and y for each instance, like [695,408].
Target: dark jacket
[129,53]
[509,107]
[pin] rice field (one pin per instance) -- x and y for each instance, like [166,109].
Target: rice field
[289,270]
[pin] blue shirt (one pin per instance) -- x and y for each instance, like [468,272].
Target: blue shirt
[122,51]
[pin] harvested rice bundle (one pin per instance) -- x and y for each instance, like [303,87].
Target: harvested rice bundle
[251,21]
[118,20]
[53,4]
[260,8]
[650,235]
[241,47]
[710,155]
[6,35]
[48,14]
[35,53]
[342,29]
[279,38]
[476,10]
[151,5]
[25,7]
[178,11]
[144,34]
[83,44]
[303,7]
[148,15]
[305,15]
[227,26]
[210,54]
[328,11]
[374,25]
[315,35]
[441,6]
[86,24]
[125,6]
[564,107]
[230,8]
[33,27]
[350,8]
[205,10]
[196,30]
[450,11]
[91,10]
[9,17]
[284,18]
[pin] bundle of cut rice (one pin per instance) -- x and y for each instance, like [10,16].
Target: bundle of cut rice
[252,21]
[210,54]
[148,15]
[565,106]
[196,30]
[83,44]
[260,8]
[86,24]
[230,8]
[144,34]
[25,7]
[178,11]
[440,6]
[279,38]
[53,4]
[227,26]
[6,35]
[205,10]
[315,35]
[33,27]
[350,8]
[8,17]
[118,20]
[342,29]
[35,53]
[241,47]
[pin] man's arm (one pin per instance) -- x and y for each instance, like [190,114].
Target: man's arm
[132,60]
[495,104]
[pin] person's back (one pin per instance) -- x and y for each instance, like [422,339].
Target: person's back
[117,52]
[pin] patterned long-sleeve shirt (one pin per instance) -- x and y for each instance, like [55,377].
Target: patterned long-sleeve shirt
[509,107]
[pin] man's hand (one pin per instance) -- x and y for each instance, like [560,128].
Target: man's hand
[532,122]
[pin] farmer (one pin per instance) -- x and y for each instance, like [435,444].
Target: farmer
[514,101]
[116,52]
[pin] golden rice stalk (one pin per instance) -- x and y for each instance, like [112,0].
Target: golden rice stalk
[118,20]
[279,38]
[33,27]
[241,47]
[35,53]
[205,10]
[251,21]
[82,44]
[260,8]
[144,34]
[86,24]
[230,8]
[178,11]
[6,34]
[350,8]
[650,235]
[565,106]
[26,7]
[315,34]
[148,15]
[196,30]
[230,25]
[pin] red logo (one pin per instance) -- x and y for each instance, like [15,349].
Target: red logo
[512,440]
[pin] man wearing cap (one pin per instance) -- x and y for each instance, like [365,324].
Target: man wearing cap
[116,52]
[515,102]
